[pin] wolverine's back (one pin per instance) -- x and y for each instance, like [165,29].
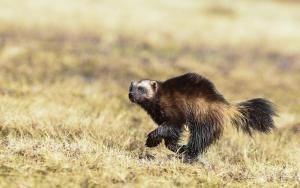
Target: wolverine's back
[192,86]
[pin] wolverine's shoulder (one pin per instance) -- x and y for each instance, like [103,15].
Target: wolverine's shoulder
[188,78]
[191,85]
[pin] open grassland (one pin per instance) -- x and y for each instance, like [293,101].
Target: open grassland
[65,67]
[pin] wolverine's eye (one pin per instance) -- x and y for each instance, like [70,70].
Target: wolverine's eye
[141,90]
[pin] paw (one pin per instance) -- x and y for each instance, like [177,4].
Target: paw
[152,142]
[152,135]
[146,156]
[189,159]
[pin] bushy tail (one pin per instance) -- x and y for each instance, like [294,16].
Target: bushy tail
[254,115]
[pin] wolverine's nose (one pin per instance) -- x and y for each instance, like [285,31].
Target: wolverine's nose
[130,95]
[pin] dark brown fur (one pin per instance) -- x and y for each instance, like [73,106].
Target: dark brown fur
[193,100]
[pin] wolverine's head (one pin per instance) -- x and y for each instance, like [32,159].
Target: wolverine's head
[142,91]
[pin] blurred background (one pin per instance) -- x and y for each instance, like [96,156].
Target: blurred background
[65,68]
[249,48]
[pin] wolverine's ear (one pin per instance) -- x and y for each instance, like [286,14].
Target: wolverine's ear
[153,85]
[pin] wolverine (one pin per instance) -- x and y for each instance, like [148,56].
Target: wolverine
[193,100]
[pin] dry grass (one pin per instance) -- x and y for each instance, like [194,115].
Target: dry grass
[65,120]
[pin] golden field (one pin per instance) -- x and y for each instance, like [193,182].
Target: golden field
[65,68]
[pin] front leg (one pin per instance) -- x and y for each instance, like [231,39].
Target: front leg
[172,138]
[171,135]
[153,139]
[173,146]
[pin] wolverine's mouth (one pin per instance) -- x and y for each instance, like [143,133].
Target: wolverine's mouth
[131,97]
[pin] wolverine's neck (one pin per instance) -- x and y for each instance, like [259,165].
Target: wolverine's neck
[149,106]
[154,110]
